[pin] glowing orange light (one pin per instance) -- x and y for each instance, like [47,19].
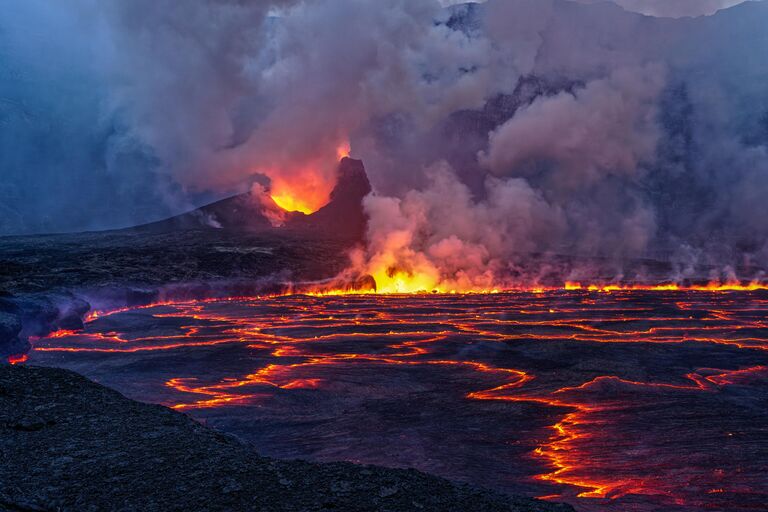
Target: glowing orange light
[391,281]
[291,203]
[17,358]
[343,150]
[304,192]
[307,190]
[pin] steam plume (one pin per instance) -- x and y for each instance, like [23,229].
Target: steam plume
[490,131]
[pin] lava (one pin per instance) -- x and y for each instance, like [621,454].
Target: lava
[712,286]
[614,423]
[307,198]
[393,280]
[564,449]
[17,358]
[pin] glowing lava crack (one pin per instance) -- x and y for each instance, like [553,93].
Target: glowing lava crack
[619,399]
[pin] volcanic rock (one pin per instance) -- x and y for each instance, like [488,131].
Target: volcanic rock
[344,212]
[228,247]
[10,325]
[67,443]
[53,280]
[342,217]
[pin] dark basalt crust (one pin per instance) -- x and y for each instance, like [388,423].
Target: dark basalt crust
[51,282]
[67,443]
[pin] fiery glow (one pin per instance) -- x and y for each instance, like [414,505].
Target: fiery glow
[712,286]
[343,150]
[398,270]
[17,358]
[305,193]
[395,281]
[305,344]
[398,281]
[307,189]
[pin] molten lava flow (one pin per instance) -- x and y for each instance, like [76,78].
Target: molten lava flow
[611,431]
[595,421]
[395,281]
[17,358]
[712,286]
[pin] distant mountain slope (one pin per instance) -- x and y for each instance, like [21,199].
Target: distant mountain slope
[343,216]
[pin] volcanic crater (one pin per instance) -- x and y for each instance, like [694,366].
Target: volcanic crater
[563,392]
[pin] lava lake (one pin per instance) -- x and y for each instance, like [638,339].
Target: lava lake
[605,400]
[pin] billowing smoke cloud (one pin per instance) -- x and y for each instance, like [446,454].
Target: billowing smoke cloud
[661,8]
[672,8]
[577,138]
[490,131]
[442,238]
[63,164]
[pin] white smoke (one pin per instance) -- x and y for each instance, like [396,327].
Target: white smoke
[608,127]
[446,240]
[490,131]
[660,8]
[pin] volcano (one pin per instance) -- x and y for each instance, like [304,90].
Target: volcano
[341,217]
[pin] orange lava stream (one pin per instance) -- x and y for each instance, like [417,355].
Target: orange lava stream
[400,283]
[413,335]
[712,286]
[562,449]
[17,358]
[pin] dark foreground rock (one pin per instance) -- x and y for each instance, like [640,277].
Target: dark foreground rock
[67,443]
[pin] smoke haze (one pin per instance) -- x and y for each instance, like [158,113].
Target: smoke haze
[490,131]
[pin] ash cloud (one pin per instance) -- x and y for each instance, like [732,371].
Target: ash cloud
[490,131]
[672,8]
[659,8]
[576,139]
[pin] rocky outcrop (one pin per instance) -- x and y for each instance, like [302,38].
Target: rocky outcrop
[69,444]
[342,217]
[50,282]
[344,212]
[10,327]
[36,314]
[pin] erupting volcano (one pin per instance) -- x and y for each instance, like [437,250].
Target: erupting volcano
[512,254]
[306,193]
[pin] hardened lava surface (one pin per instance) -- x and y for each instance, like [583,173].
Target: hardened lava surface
[628,400]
